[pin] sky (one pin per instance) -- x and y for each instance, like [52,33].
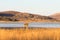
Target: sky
[40,7]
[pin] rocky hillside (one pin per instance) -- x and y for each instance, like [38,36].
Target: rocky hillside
[26,17]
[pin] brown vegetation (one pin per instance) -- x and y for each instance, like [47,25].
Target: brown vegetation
[30,34]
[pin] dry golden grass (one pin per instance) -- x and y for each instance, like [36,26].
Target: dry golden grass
[30,34]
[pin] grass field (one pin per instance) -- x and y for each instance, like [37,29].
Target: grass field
[30,34]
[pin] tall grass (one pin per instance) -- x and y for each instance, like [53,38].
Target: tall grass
[30,34]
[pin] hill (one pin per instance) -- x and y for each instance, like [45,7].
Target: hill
[25,17]
[56,16]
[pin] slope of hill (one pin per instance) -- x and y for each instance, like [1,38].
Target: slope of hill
[56,16]
[26,17]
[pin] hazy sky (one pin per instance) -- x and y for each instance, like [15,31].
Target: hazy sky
[43,7]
